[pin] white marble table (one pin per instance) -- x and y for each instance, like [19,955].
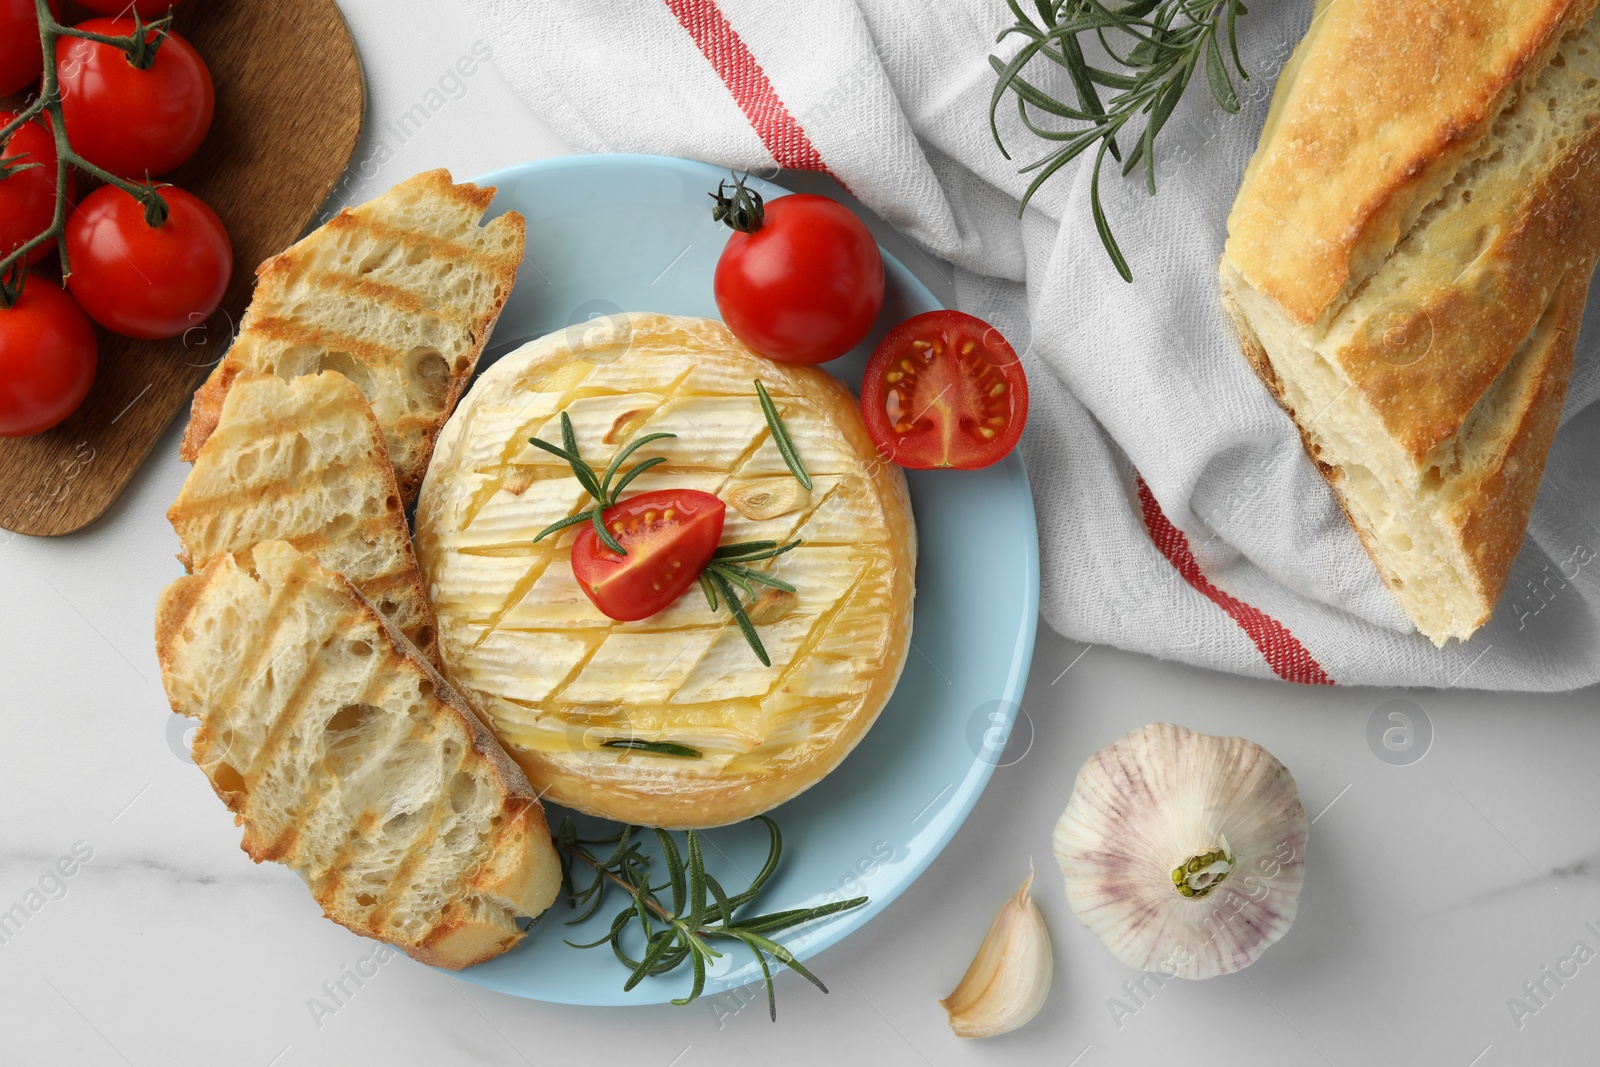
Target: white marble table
[1435,892]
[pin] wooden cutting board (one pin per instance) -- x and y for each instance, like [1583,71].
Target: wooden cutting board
[290,100]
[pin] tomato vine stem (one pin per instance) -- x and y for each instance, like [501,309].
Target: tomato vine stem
[141,53]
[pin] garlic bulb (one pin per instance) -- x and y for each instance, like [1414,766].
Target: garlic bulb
[1009,979]
[1184,852]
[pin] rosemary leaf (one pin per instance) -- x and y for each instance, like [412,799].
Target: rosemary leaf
[784,920]
[627,450]
[749,575]
[766,977]
[659,748]
[597,516]
[697,882]
[675,876]
[637,470]
[562,524]
[780,437]
[746,627]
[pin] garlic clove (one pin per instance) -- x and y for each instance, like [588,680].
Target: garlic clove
[626,425]
[767,498]
[1183,852]
[1009,979]
[770,605]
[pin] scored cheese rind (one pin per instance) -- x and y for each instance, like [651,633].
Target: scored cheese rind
[556,679]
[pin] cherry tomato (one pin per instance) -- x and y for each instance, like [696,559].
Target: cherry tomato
[806,285]
[944,389]
[669,534]
[28,196]
[47,359]
[133,122]
[145,9]
[21,60]
[142,280]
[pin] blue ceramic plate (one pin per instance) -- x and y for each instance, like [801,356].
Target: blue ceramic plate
[634,233]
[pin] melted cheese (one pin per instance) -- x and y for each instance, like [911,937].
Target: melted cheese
[556,679]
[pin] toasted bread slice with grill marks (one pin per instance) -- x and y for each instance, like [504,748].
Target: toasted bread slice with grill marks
[347,758]
[399,295]
[304,462]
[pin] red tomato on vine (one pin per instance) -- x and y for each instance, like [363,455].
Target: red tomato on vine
[21,56]
[135,115]
[47,358]
[147,277]
[28,186]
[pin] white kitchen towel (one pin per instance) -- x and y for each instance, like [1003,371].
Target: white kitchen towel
[1178,514]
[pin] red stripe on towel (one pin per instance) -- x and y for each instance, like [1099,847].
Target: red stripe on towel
[1284,653]
[720,43]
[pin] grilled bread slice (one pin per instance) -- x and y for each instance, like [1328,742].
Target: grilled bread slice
[398,295]
[1406,268]
[573,694]
[304,462]
[347,758]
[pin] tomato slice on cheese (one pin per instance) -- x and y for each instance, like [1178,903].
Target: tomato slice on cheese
[669,536]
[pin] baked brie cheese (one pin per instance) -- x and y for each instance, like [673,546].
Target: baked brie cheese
[1407,264]
[566,688]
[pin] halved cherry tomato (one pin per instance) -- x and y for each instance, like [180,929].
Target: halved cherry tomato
[28,186]
[669,535]
[944,389]
[48,356]
[133,122]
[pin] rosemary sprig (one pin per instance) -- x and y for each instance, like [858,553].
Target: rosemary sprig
[599,487]
[1155,47]
[700,910]
[728,568]
[780,437]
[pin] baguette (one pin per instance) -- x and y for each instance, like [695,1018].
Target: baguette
[399,295]
[1406,269]
[346,757]
[304,462]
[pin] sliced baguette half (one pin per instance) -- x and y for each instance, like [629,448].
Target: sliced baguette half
[346,757]
[1406,269]
[399,295]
